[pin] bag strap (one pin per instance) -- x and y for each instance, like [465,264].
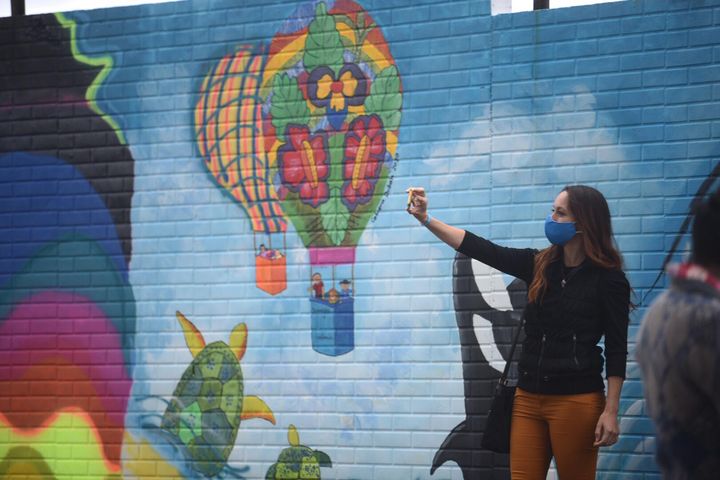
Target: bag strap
[503,377]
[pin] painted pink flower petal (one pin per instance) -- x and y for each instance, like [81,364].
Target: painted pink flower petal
[292,171]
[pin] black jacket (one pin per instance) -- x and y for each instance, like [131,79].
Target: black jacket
[560,353]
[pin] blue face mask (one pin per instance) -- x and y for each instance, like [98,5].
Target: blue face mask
[559,233]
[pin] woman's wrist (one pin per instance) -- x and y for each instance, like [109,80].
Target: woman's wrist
[611,409]
[425,220]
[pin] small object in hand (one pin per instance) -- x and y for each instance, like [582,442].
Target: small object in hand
[411,192]
[410,196]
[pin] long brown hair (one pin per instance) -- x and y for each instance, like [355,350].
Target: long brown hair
[592,218]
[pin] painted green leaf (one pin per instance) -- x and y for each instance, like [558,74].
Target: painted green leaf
[287,104]
[335,216]
[385,98]
[336,145]
[363,213]
[323,45]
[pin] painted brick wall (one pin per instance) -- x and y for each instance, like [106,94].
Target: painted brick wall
[173,176]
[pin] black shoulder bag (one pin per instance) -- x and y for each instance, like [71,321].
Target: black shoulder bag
[497,428]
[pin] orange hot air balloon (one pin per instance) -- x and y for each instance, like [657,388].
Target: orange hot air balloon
[229,131]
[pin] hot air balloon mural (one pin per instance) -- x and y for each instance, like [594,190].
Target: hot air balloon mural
[308,131]
[229,132]
[334,98]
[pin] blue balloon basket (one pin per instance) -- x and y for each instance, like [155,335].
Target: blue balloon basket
[333,326]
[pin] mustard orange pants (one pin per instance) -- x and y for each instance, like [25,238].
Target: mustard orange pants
[560,426]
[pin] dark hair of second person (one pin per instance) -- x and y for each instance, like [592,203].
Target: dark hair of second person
[706,232]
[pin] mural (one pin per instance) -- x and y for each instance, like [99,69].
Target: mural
[335,107]
[229,129]
[298,461]
[65,230]
[209,402]
[487,313]
[59,117]
[320,112]
[79,334]
[240,164]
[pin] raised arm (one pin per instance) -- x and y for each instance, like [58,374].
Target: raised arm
[517,262]
[417,207]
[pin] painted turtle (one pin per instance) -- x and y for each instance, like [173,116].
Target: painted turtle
[298,461]
[209,403]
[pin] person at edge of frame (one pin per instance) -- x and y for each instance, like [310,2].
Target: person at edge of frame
[577,294]
[678,351]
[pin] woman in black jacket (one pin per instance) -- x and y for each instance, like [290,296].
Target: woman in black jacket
[577,294]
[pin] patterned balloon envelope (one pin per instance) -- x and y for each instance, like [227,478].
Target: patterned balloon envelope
[308,130]
[332,108]
[229,134]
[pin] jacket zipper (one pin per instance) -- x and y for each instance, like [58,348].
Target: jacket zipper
[562,295]
[540,359]
[542,345]
[575,359]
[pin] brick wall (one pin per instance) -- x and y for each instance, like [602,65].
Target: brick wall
[172,177]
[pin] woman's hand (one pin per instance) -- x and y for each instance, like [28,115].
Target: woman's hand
[607,430]
[417,207]
[417,203]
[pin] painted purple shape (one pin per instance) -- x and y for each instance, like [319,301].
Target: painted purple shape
[332,255]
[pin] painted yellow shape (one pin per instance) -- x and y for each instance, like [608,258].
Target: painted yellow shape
[193,337]
[324,86]
[361,160]
[289,55]
[391,142]
[309,166]
[79,448]
[293,436]
[349,84]
[141,460]
[346,31]
[381,62]
[255,407]
[238,340]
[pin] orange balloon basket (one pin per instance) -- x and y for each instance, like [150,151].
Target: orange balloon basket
[271,274]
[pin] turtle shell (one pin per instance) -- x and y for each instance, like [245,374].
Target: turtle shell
[204,413]
[301,463]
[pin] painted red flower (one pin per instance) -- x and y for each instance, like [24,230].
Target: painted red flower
[303,163]
[365,151]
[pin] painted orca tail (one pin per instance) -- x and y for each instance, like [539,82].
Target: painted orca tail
[455,448]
